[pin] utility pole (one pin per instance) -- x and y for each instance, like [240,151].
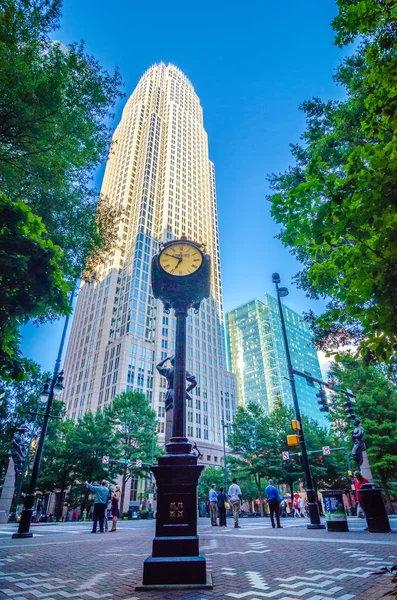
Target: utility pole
[314,513]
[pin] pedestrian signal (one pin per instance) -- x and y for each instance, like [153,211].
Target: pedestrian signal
[296,426]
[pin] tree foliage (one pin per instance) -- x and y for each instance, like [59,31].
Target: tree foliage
[55,108]
[376,407]
[31,279]
[135,423]
[54,114]
[259,441]
[337,204]
[18,402]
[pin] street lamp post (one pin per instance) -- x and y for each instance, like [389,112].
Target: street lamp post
[150,512]
[224,426]
[314,513]
[55,388]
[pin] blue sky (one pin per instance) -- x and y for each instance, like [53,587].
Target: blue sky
[251,64]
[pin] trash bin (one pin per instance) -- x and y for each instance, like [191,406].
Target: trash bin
[374,508]
[334,509]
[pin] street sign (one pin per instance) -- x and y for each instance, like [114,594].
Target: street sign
[105,460]
[138,463]
[151,497]
[326,450]
[285,455]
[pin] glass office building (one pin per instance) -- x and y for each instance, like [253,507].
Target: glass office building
[257,356]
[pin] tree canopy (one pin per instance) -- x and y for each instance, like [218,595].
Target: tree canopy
[337,203]
[259,440]
[135,423]
[31,280]
[55,109]
[376,407]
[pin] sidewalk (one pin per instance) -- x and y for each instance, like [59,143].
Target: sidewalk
[252,563]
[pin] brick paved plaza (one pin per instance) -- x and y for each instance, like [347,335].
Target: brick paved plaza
[254,563]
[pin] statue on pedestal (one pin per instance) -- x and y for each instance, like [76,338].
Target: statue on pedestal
[18,450]
[359,445]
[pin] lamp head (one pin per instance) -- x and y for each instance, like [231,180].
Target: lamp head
[276,278]
[58,387]
[282,292]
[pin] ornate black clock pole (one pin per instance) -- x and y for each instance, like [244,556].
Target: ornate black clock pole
[181,279]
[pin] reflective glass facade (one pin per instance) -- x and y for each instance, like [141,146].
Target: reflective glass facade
[257,356]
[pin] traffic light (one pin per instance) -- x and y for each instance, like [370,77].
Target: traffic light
[348,406]
[293,440]
[322,400]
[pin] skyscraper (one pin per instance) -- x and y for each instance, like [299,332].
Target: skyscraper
[159,176]
[257,356]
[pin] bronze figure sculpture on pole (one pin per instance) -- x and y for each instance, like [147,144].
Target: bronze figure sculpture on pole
[168,373]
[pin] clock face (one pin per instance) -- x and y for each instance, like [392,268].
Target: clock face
[180,259]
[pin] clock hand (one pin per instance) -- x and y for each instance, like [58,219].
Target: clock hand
[172,255]
[180,259]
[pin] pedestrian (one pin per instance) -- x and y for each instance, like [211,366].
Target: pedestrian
[100,502]
[115,507]
[84,514]
[213,500]
[283,508]
[301,506]
[75,516]
[39,510]
[222,505]
[296,506]
[235,496]
[274,500]
[107,511]
[358,481]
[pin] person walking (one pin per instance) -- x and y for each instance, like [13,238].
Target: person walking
[296,506]
[222,502]
[100,502]
[358,481]
[235,496]
[115,507]
[301,506]
[213,499]
[274,500]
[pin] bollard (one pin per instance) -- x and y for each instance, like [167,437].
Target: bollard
[374,508]
[336,519]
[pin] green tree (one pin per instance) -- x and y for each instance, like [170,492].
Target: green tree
[337,203]
[18,402]
[256,447]
[93,437]
[135,423]
[376,407]
[31,280]
[209,476]
[57,469]
[54,115]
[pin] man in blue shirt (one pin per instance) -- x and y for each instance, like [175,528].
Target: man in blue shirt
[273,498]
[213,498]
[100,502]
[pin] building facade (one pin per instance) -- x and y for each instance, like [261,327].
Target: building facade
[257,356]
[159,176]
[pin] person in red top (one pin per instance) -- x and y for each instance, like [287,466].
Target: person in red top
[359,480]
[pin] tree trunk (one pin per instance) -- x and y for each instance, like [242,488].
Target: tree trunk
[123,482]
[389,504]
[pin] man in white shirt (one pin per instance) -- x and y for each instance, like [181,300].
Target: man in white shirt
[213,499]
[235,496]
